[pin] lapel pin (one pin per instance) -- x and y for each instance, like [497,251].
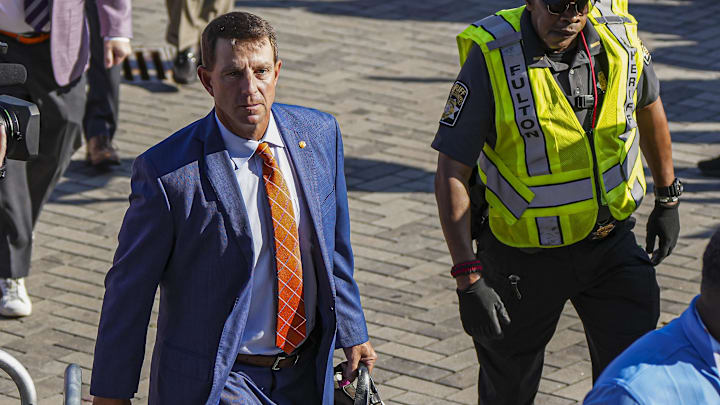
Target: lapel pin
[302,144]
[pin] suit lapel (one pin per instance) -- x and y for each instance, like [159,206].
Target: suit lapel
[222,178]
[305,169]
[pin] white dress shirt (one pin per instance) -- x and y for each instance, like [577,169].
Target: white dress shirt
[12,17]
[259,334]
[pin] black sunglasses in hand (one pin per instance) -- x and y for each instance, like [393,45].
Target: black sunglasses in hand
[581,7]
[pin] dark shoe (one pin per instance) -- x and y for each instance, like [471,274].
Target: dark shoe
[185,65]
[100,152]
[710,168]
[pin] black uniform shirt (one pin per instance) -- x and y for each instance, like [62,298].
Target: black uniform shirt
[474,124]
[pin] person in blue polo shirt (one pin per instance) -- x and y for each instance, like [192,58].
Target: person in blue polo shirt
[677,364]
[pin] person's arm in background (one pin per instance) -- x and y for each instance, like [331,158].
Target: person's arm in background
[655,142]
[116,28]
[465,126]
[453,200]
[656,145]
[481,310]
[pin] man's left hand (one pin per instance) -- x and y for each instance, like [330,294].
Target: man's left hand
[116,50]
[664,223]
[354,355]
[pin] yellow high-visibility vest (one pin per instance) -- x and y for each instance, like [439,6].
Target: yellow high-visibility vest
[541,182]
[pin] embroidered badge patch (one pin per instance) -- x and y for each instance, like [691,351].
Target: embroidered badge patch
[454,105]
[602,81]
[646,55]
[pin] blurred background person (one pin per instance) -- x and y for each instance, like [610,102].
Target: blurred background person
[101,107]
[186,20]
[55,65]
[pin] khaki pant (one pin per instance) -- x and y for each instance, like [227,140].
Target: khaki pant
[187,19]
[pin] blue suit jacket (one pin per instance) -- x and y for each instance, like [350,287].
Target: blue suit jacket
[187,231]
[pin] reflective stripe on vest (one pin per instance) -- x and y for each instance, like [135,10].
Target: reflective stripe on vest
[510,198]
[637,192]
[546,196]
[549,231]
[621,172]
[616,26]
[508,40]
[556,195]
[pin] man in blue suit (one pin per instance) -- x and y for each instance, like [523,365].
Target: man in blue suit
[202,226]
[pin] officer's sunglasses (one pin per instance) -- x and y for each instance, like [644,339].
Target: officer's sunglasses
[581,7]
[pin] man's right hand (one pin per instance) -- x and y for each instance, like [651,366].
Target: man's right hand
[482,311]
[110,401]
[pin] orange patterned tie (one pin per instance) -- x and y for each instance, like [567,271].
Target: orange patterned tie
[290,329]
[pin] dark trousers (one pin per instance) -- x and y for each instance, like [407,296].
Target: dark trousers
[101,108]
[28,185]
[296,385]
[611,283]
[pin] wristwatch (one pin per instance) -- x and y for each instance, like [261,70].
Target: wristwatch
[670,193]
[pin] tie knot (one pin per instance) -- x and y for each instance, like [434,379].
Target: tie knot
[264,150]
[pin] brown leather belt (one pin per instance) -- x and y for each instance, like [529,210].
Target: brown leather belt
[27,39]
[273,362]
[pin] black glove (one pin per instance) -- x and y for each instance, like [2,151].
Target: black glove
[664,222]
[482,310]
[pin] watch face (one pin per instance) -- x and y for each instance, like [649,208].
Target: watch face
[673,190]
[676,188]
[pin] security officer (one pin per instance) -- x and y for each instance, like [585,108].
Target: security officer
[552,105]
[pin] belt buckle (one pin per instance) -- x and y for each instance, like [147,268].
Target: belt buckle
[278,359]
[603,231]
[281,357]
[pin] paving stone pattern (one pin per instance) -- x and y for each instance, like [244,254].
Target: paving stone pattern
[383,68]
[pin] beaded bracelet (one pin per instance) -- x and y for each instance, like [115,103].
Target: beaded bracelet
[465,268]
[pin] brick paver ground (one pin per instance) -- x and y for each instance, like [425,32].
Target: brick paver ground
[383,68]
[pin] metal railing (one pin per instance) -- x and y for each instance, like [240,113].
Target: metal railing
[73,385]
[26,387]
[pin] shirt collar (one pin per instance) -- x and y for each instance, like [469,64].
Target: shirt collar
[535,49]
[242,149]
[713,344]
